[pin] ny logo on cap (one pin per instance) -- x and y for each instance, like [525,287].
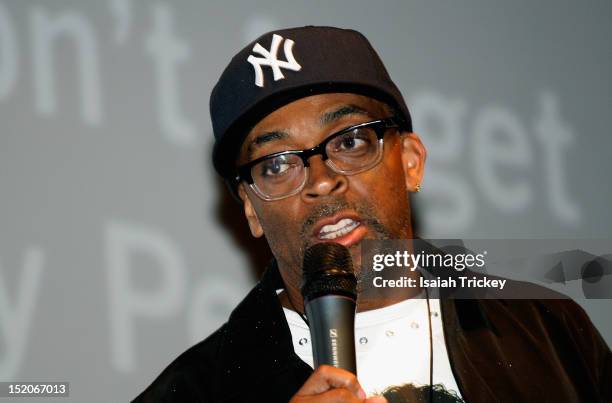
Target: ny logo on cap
[270,59]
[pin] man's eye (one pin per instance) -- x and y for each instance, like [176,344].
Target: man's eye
[275,167]
[353,141]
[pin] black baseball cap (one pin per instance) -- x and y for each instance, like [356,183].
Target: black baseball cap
[288,64]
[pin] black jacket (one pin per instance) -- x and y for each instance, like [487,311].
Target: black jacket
[499,350]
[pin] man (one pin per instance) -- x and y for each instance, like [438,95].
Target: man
[316,141]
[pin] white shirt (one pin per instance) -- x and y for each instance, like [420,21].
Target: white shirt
[392,346]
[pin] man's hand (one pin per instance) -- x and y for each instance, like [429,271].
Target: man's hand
[331,384]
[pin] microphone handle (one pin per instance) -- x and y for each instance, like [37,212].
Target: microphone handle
[332,330]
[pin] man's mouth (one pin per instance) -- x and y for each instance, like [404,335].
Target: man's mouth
[342,227]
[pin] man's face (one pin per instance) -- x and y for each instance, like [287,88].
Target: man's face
[331,207]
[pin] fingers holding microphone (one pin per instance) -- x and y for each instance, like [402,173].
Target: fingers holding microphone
[331,384]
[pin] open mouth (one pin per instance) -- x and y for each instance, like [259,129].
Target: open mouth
[345,228]
[337,230]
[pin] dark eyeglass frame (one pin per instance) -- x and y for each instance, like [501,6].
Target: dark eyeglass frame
[380,127]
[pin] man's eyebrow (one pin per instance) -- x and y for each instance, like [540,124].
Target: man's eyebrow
[327,118]
[344,110]
[265,138]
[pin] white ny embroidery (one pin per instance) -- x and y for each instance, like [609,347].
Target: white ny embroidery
[270,59]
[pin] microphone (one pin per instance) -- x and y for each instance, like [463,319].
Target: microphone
[329,288]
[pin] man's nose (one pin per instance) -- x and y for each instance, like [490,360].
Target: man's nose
[322,181]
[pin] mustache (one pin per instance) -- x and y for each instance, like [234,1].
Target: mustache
[365,213]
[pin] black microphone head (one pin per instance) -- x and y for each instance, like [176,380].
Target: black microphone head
[328,269]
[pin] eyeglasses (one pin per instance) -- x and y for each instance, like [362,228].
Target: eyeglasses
[348,152]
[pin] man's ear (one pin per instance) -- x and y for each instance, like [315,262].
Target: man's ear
[249,212]
[413,160]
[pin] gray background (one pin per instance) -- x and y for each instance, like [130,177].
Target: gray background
[118,249]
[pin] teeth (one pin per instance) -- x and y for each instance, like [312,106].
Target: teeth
[334,227]
[339,229]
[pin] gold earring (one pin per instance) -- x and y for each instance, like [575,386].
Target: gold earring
[417,189]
